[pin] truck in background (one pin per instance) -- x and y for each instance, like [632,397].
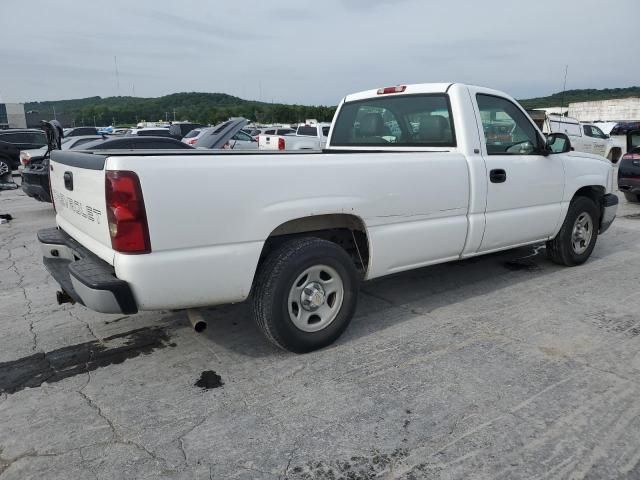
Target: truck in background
[310,136]
[584,137]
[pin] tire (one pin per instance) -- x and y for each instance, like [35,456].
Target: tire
[573,246]
[286,302]
[5,170]
[632,197]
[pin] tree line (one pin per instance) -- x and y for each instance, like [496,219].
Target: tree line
[213,108]
[206,108]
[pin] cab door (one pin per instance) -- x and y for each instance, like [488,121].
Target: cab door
[598,139]
[524,187]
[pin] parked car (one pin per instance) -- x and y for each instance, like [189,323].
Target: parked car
[179,130]
[306,137]
[629,168]
[296,233]
[68,143]
[584,137]
[191,137]
[80,131]
[149,132]
[227,135]
[12,142]
[35,175]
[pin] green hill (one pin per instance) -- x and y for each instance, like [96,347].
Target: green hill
[585,95]
[193,106]
[216,107]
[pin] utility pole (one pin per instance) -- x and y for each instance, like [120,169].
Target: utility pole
[54,113]
[115,61]
[564,87]
[174,114]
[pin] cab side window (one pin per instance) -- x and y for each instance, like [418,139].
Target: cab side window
[597,133]
[507,130]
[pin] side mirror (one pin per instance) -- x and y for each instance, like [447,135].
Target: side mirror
[558,143]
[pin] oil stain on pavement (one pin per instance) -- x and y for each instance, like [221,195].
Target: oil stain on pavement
[51,367]
[209,379]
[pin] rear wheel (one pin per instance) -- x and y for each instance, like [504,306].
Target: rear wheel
[577,237]
[305,294]
[632,197]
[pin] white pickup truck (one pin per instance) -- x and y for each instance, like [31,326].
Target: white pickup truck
[307,137]
[584,137]
[408,179]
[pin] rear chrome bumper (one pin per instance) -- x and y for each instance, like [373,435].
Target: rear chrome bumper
[609,210]
[86,278]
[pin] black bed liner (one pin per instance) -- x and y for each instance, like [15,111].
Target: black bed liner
[94,160]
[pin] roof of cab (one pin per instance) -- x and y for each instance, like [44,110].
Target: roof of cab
[410,89]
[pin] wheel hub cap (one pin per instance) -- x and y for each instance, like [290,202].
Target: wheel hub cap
[582,233]
[313,296]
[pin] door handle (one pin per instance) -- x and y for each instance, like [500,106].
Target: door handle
[68,180]
[498,176]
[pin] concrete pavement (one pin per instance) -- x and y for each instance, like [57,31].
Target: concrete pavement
[504,366]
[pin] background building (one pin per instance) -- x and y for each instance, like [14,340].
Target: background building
[615,110]
[12,115]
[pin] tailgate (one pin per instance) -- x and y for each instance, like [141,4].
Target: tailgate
[270,142]
[78,190]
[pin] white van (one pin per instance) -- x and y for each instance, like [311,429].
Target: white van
[584,137]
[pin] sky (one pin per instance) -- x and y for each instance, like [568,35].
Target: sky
[310,52]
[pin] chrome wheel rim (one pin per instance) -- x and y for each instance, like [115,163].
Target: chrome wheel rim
[315,298]
[582,233]
[4,168]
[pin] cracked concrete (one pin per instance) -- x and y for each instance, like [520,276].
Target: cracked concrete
[478,369]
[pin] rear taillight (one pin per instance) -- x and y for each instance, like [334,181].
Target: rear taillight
[25,158]
[280,143]
[191,141]
[125,213]
[631,156]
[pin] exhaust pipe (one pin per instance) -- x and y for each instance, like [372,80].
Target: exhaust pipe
[64,297]
[198,323]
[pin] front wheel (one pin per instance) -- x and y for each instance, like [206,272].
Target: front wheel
[577,237]
[305,294]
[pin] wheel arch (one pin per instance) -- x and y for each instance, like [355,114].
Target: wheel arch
[594,192]
[346,230]
[615,154]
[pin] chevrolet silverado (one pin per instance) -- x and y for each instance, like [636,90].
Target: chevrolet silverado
[409,178]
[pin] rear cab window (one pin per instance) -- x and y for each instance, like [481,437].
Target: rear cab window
[421,120]
[307,131]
